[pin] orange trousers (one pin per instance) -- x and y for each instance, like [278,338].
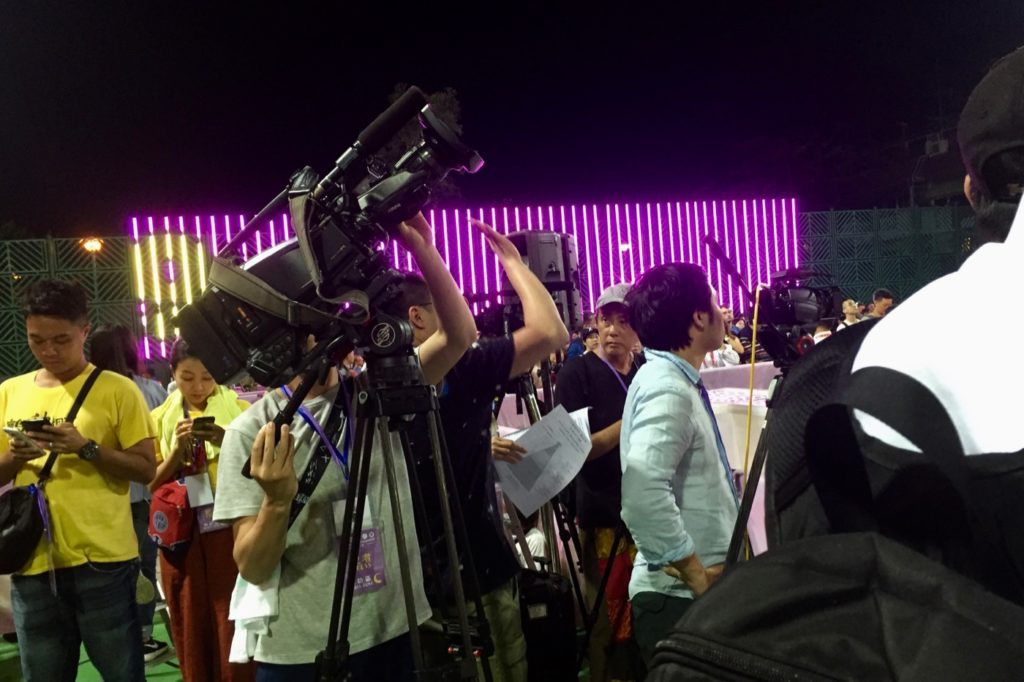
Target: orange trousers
[197,583]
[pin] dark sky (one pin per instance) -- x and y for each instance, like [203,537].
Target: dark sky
[114,108]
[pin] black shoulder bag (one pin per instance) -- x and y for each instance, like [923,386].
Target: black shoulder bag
[21,508]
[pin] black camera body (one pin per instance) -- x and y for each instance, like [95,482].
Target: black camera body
[256,317]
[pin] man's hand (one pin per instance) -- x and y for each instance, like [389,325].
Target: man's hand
[273,465]
[23,452]
[505,450]
[415,234]
[64,438]
[502,247]
[691,571]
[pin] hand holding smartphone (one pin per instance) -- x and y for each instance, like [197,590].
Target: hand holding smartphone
[22,440]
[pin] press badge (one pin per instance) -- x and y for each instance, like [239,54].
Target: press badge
[200,492]
[370,574]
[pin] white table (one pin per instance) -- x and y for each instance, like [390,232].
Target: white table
[730,408]
[738,376]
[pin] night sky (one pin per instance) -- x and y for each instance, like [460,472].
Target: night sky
[110,109]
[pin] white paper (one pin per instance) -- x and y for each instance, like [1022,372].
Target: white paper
[200,492]
[556,448]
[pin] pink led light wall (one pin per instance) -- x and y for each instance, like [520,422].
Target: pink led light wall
[614,243]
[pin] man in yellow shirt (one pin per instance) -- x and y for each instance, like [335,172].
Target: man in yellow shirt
[79,587]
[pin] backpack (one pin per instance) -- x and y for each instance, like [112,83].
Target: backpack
[854,606]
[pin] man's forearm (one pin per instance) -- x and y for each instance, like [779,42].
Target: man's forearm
[128,466]
[539,310]
[260,542]
[453,314]
[9,468]
[604,441]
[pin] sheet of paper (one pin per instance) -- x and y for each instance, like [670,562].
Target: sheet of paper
[556,448]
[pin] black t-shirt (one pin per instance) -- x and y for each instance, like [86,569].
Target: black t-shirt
[588,381]
[466,399]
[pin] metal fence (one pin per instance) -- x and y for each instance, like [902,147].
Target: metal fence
[106,276]
[898,249]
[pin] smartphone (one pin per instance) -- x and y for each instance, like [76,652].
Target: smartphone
[35,425]
[202,421]
[22,439]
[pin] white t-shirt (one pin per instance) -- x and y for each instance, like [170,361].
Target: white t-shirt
[984,400]
[310,559]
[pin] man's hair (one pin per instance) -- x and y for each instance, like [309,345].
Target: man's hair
[881,294]
[662,303]
[56,298]
[413,290]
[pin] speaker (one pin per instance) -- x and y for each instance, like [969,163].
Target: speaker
[551,256]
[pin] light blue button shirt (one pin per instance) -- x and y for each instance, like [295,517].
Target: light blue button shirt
[677,493]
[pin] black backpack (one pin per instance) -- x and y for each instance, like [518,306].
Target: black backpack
[882,563]
[853,606]
[824,475]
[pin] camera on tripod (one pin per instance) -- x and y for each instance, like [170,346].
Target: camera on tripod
[255,317]
[790,309]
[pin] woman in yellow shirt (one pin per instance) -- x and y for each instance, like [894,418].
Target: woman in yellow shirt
[198,578]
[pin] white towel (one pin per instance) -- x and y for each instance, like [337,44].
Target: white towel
[252,607]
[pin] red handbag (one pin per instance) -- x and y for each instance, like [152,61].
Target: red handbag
[171,519]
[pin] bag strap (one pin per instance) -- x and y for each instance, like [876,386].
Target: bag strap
[320,460]
[79,399]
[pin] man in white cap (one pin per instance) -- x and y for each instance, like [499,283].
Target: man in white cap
[598,381]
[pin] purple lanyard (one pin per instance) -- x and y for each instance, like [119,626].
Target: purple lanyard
[340,459]
[616,373]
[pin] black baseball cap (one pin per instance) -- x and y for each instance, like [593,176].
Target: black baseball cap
[992,122]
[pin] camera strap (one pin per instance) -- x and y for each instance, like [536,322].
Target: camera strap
[79,399]
[354,303]
[326,450]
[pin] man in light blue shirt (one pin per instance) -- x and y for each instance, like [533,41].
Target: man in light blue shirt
[678,497]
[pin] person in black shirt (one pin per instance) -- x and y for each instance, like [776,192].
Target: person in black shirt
[598,381]
[466,395]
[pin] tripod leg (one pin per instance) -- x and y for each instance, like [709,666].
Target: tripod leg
[564,534]
[444,473]
[403,555]
[332,662]
[739,532]
[591,619]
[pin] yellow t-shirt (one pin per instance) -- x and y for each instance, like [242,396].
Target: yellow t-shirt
[224,405]
[90,513]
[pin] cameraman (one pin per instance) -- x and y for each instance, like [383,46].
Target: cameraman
[466,397]
[306,556]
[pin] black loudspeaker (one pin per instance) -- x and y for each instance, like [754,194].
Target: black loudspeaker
[551,256]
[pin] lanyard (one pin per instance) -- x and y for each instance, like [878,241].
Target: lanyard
[616,373]
[340,458]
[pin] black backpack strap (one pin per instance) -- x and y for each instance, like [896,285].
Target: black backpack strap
[79,399]
[906,405]
[320,460]
[837,464]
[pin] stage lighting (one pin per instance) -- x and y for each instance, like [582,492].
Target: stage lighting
[91,245]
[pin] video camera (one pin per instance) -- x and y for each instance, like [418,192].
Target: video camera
[256,317]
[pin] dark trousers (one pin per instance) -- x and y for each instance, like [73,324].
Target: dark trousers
[391,660]
[94,605]
[654,616]
[147,562]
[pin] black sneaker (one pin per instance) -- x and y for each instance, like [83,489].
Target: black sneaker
[153,649]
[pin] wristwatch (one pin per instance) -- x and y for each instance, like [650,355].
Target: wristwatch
[89,451]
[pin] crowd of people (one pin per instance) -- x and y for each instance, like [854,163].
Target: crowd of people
[148,485]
